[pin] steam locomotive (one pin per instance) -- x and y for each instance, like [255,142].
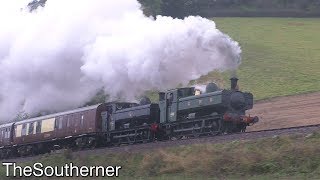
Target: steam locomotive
[181,112]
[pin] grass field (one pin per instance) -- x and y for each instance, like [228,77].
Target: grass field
[281,56]
[287,157]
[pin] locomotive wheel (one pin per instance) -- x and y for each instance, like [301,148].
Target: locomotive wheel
[131,140]
[173,138]
[216,127]
[195,133]
[93,144]
[177,137]
[229,128]
[117,142]
[145,136]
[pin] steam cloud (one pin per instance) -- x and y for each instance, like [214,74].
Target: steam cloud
[57,57]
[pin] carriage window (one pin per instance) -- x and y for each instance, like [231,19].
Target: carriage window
[81,120]
[5,133]
[34,127]
[30,130]
[68,122]
[75,120]
[57,123]
[38,128]
[60,122]
[17,130]
[24,129]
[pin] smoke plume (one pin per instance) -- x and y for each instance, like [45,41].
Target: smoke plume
[58,56]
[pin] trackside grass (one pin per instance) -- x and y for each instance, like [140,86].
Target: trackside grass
[286,157]
[281,56]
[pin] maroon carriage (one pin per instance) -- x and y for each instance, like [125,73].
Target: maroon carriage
[5,139]
[75,128]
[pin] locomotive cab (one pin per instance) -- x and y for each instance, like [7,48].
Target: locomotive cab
[169,101]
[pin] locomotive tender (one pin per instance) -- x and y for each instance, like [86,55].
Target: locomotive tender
[181,112]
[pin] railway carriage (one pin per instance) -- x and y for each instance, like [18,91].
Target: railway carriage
[5,139]
[77,128]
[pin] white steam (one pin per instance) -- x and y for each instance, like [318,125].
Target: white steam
[57,57]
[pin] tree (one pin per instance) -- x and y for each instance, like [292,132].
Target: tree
[151,7]
[33,5]
[173,8]
[100,97]
[21,116]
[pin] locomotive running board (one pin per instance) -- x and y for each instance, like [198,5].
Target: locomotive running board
[198,119]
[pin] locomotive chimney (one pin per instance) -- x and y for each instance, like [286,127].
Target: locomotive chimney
[234,82]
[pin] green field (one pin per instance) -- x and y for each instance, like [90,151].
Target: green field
[286,157]
[281,56]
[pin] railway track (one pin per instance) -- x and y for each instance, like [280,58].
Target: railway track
[209,139]
[136,148]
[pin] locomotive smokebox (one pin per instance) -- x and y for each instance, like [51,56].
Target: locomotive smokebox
[234,83]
